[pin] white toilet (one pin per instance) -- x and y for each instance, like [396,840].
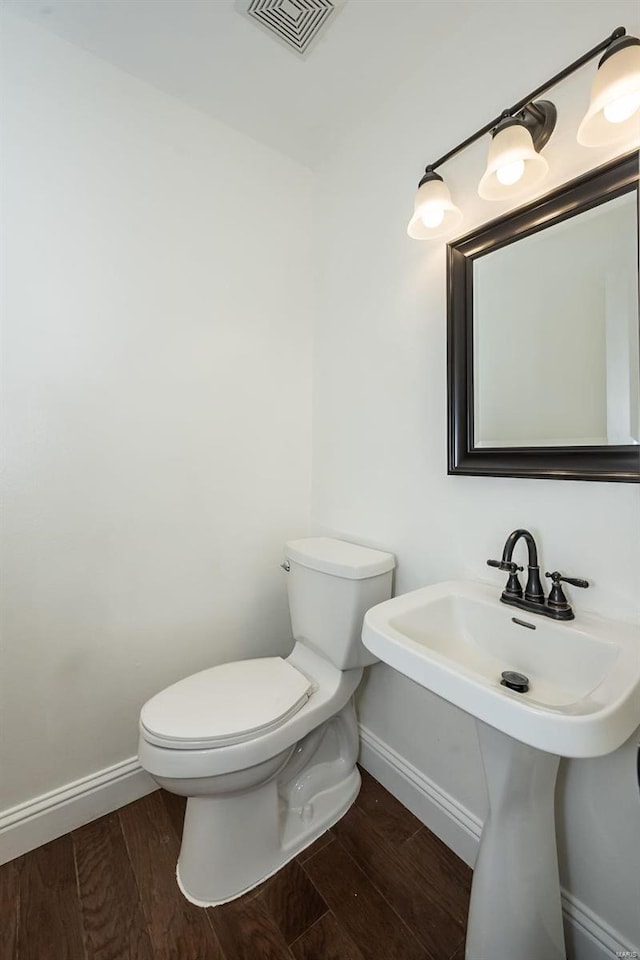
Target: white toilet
[265,750]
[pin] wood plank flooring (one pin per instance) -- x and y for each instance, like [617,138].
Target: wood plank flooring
[378,886]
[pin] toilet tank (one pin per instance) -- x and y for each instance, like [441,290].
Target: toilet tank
[332,584]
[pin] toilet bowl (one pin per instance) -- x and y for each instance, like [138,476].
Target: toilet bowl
[265,750]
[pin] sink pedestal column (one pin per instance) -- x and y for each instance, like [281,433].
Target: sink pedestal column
[515,908]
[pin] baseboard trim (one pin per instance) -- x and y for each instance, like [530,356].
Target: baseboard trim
[443,814]
[28,825]
[588,936]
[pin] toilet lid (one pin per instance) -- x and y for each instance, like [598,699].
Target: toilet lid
[227,704]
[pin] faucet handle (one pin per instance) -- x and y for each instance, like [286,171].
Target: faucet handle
[557,578]
[514,587]
[556,599]
[507,565]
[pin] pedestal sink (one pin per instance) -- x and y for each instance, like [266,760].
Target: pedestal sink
[583,700]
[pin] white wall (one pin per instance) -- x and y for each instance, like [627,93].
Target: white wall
[157,403]
[380,413]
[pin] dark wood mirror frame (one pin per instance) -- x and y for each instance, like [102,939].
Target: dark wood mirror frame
[620,463]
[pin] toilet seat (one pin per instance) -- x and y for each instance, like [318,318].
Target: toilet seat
[225,705]
[331,689]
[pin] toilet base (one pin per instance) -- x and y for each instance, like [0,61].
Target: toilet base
[232,842]
[329,807]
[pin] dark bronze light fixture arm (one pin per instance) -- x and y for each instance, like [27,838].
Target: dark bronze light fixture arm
[518,107]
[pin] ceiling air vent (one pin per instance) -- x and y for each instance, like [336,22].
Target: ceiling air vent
[296,23]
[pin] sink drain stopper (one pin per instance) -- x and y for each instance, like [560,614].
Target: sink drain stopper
[515,681]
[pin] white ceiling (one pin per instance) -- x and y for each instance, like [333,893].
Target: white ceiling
[217,60]
[212,57]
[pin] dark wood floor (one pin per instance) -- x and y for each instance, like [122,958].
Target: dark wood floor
[378,886]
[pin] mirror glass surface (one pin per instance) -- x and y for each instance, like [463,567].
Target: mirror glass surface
[555,334]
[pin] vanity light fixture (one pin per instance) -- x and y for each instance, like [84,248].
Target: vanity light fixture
[615,95]
[434,212]
[515,164]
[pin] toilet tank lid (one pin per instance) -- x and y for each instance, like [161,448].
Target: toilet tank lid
[339,557]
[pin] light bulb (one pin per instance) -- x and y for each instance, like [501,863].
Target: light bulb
[432,215]
[624,107]
[510,173]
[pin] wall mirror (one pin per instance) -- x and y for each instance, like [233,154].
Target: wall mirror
[543,332]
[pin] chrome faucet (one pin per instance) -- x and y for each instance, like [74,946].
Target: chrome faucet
[556,604]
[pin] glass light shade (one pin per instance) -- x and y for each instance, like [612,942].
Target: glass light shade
[613,112]
[434,212]
[513,165]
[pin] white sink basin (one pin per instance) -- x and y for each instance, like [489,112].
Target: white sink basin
[456,638]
